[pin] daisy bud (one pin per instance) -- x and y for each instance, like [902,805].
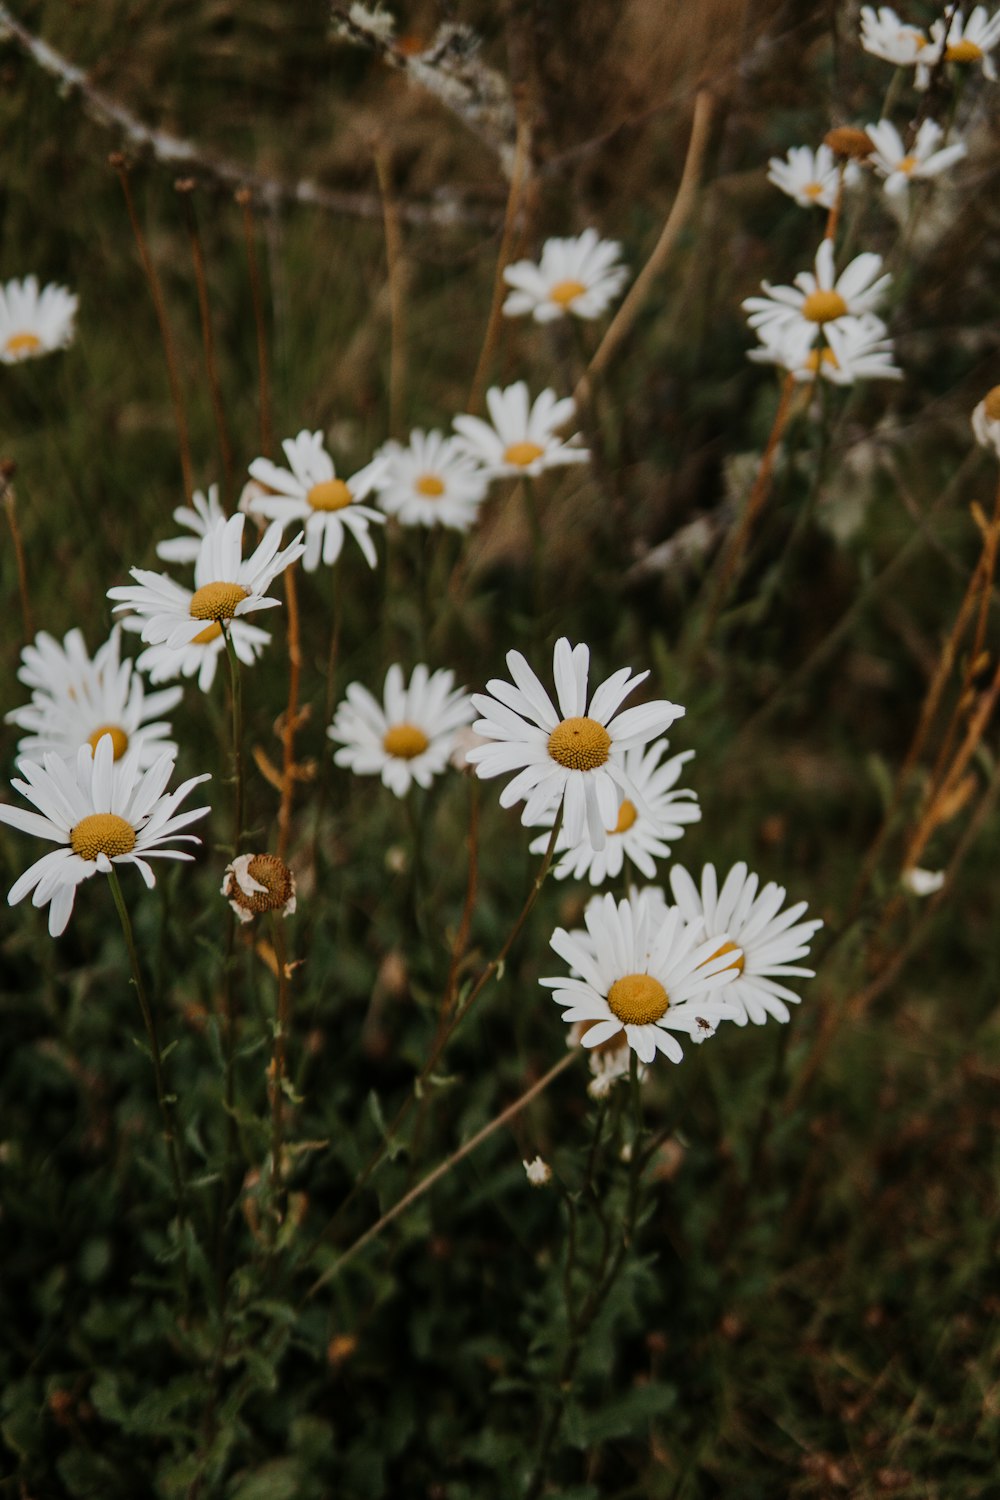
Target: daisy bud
[850,142]
[538,1172]
[255,883]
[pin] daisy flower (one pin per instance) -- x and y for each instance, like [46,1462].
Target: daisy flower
[309,491]
[966,42]
[203,513]
[636,836]
[409,736]
[647,982]
[579,275]
[854,349]
[89,699]
[760,941]
[431,482]
[986,421]
[32,322]
[810,177]
[256,883]
[884,35]
[99,813]
[575,755]
[817,301]
[226,587]
[200,657]
[897,164]
[522,439]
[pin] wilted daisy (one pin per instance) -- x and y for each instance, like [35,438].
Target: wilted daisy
[760,941]
[409,736]
[819,300]
[647,982]
[99,813]
[853,349]
[309,491]
[636,836]
[579,275]
[810,177]
[898,164]
[256,883]
[522,439]
[227,587]
[884,35]
[576,755]
[986,421]
[199,517]
[32,322]
[431,482]
[88,699]
[967,42]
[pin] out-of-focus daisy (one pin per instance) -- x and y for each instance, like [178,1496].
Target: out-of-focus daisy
[575,755]
[309,491]
[431,482]
[922,882]
[579,275]
[538,1172]
[88,699]
[636,836]
[820,299]
[199,517]
[227,587]
[966,43]
[647,983]
[32,322]
[885,35]
[986,421]
[760,940]
[409,736]
[898,164]
[810,177]
[853,349]
[522,439]
[99,813]
[256,883]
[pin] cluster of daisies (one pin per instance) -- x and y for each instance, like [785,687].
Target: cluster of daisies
[951,41]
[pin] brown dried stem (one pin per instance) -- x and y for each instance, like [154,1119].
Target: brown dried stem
[184,188]
[518,183]
[290,719]
[245,200]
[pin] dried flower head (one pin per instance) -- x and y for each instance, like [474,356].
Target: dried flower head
[850,142]
[256,883]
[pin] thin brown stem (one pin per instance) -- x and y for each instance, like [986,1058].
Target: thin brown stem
[10,509]
[291,717]
[185,188]
[244,198]
[518,182]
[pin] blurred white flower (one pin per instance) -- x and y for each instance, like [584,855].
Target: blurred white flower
[967,42]
[922,882]
[898,164]
[579,275]
[885,35]
[432,481]
[309,491]
[853,349]
[203,513]
[538,1172]
[810,177]
[522,439]
[986,421]
[33,323]
[409,736]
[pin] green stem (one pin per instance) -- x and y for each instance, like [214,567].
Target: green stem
[279,1071]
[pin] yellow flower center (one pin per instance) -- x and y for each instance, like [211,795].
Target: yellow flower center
[565,292]
[580,744]
[119,739]
[991,404]
[102,833]
[23,343]
[907,164]
[823,307]
[916,37]
[813,190]
[210,633]
[429,485]
[331,494]
[626,817]
[963,51]
[216,601]
[817,357]
[522,454]
[405,741]
[638,999]
[737,964]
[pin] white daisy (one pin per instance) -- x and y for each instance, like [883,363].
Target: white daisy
[32,322]
[817,301]
[738,918]
[853,349]
[636,836]
[99,813]
[409,736]
[899,164]
[523,437]
[577,755]
[431,482]
[986,421]
[646,981]
[579,275]
[309,491]
[885,35]
[94,698]
[810,177]
[967,42]
[226,587]
[203,513]
[200,657]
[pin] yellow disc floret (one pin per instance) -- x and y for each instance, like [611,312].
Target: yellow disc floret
[210,633]
[823,306]
[331,494]
[580,744]
[638,999]
[813,190]
[22,344]
[565,292]
[102,833]
[430,486]
[217,601]
[963,52]
[119,739]
[991,404]
[626,817]
[522,454]
[405,741]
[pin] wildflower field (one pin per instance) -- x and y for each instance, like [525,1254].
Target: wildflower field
[498,988]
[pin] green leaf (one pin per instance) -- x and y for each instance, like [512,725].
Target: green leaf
[279,1480]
